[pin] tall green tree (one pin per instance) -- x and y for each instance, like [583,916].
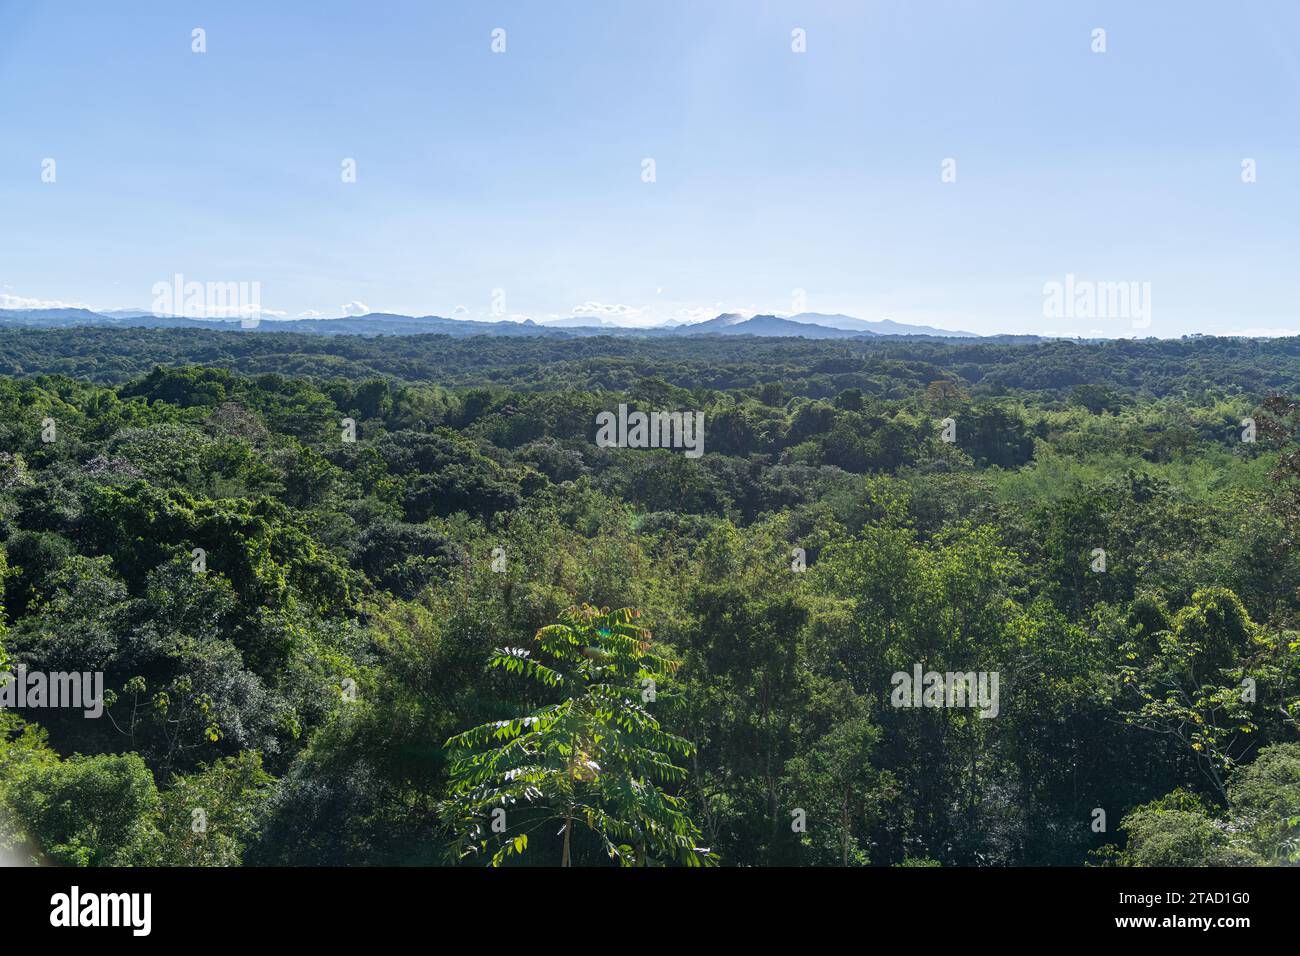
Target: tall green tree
[595,759]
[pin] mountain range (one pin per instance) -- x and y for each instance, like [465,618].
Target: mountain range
[810,325]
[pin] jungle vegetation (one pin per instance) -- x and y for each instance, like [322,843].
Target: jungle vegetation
[352,596]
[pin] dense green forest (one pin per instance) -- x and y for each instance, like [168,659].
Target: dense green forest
[387,601]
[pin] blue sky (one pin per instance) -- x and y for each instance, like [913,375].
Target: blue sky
[775,171]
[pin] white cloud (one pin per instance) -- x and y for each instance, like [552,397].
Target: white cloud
[691,315]
[628,316]
[239,312]
[198,311]
[700,314]
[22,302]
[355,308]
[626,313]
[655,314]
[310,314]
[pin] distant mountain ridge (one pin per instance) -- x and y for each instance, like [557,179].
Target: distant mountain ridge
[768,325]
[810,325]
[879,327]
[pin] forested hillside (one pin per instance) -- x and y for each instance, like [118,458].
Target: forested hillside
[888,366]
[351,596]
